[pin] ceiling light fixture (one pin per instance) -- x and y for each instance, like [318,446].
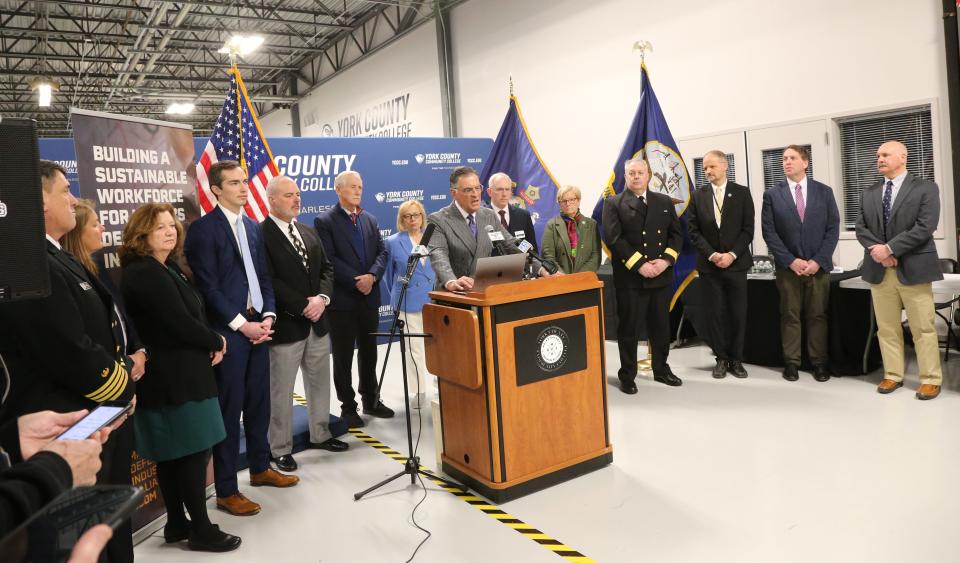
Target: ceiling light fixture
[241,45]
[44,88]
[178,108]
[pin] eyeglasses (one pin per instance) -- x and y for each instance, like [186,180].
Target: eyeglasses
[470,191]
[569,200]
[411,215]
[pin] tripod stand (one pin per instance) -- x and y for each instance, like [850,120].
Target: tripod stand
[412,466]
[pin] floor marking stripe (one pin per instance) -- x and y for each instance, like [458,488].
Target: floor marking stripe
[547,542]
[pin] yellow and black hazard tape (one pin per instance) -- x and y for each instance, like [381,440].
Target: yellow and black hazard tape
[483,505]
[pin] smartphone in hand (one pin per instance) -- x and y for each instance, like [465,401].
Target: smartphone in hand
[105,414]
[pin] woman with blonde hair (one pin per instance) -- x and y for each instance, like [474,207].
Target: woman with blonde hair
[178,420]
[571,239]
[411,219]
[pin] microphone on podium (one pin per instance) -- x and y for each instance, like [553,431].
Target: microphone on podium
[496,238]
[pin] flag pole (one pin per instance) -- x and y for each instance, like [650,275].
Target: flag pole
[646,364]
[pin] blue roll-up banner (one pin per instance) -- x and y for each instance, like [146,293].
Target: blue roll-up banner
[393,170]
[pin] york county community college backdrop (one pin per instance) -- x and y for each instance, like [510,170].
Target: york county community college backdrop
[393,169]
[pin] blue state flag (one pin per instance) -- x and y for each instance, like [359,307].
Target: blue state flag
[650,138]
[534,187]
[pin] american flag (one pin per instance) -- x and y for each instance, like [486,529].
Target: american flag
[237,136]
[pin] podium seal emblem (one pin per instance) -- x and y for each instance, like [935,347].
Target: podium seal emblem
[552,348]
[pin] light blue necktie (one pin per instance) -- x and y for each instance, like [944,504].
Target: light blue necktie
[255,296]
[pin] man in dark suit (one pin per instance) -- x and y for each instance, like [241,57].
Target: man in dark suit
[302,283]
[225,251]
[351,239]
[643,233]
[65,352]
[720,223]
[898,216]
[461,235]
[801,226]
[513,218]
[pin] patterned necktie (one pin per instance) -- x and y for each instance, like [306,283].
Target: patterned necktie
[353,217]
[472,224]
[887,196]
[256,298]
[801,205]
[503,219]
[298,245]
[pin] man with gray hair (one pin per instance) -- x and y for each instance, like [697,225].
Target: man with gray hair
[643,233]
[898,217]
[351,239]
[302,284]
[513,218]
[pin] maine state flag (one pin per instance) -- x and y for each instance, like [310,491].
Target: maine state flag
[534,187]
[650,138]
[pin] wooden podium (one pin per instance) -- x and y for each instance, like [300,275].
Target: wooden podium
[523,396]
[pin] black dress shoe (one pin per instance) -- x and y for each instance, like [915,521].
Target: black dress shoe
[790,372]
[174,534]
[213,540]
[736,368]
[331,445]
[286,463]
[378,410]
[668,378]
[628,387]
[352,419]
[720,370]
[821,373]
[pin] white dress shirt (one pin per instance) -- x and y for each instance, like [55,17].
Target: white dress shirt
[285,229]
[803,190]
[238,321]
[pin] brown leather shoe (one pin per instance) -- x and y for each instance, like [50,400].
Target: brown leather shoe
[888,386]
[238,505]
[928,391]
[273,478]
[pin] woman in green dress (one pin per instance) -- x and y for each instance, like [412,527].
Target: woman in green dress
[571,239]
[178,415]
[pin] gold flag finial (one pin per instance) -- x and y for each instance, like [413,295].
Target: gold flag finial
[511,85]
[644,47]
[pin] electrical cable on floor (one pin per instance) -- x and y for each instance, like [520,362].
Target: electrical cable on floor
[416,447]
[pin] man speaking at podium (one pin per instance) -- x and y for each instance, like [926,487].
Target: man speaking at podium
[461,235]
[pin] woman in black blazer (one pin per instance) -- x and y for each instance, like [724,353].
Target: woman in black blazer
[178,417]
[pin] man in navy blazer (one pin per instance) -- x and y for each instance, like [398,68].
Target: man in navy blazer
[351,239]
[516,220]
[225,250]
[801,226]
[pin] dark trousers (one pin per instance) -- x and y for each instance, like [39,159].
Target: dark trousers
[243,379]
[183,484]
[115,470]
[804,299]
[643,307]
[725,308]
[349,329]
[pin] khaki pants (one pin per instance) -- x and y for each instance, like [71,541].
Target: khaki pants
[890,297]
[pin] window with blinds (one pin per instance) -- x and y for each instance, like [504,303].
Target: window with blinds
[861,136]
[773,166]
[701,180]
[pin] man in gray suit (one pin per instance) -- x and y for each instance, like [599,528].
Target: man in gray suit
[898,216]
[461,235]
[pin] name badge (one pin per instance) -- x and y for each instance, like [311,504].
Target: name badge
[520,234]
[85,286]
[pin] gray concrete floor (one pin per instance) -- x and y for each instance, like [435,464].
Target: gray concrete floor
[753,470]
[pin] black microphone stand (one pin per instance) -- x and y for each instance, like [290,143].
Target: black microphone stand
[411,466]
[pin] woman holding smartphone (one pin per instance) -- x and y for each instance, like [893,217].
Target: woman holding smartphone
[178,415]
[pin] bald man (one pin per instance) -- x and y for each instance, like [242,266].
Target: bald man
[898,216]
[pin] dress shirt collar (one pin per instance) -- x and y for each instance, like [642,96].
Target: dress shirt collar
[463,213]
[802,182]
[284,225]
[54,242]
[897,181]
[497,210]
[231,216]
[722,186]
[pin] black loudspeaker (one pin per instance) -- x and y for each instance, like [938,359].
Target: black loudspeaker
[24,273]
